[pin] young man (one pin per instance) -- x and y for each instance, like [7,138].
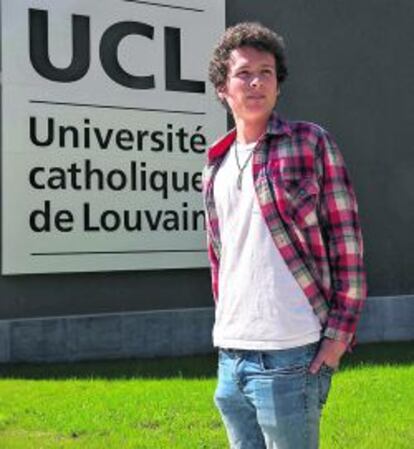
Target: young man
[285,248]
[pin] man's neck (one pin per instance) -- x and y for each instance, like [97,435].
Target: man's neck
[249,132]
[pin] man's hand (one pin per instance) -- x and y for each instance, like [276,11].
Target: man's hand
[330,353]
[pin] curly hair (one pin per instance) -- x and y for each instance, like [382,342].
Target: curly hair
[246,34]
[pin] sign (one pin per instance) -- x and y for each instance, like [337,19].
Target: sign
[106,115]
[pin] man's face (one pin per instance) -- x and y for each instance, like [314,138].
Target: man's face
[251,87]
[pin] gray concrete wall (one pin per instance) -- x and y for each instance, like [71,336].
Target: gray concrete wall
[120,335]
[161,333]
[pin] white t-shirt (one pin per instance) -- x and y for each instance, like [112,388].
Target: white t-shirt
[260,304]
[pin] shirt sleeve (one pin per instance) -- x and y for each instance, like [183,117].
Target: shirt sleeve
[343,238]
[214,263]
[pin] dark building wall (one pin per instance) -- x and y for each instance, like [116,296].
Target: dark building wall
[351,70]
[92,293]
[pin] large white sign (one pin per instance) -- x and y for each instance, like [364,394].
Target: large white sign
[106,114]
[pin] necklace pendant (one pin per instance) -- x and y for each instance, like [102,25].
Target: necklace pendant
[239,181]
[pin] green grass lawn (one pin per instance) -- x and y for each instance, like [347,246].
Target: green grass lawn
[162,404]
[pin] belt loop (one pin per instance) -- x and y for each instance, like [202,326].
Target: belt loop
[261,361]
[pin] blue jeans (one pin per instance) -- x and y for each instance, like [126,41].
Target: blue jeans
[270,399]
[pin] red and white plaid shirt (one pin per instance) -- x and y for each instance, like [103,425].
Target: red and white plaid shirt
[309,206]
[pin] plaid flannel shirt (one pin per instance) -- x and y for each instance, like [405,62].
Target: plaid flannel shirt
[309,206]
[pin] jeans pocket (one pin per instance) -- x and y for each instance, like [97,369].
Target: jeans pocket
[272,364]
[325,380]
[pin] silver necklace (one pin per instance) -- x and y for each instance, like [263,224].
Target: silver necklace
[241,167]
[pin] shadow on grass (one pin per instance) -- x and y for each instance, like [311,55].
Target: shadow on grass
[194,367]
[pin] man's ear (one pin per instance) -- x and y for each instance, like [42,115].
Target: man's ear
[221,95]
[221,92]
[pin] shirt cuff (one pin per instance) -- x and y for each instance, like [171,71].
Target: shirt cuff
[339,335]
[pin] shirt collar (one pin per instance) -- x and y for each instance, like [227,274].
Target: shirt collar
[275,126]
